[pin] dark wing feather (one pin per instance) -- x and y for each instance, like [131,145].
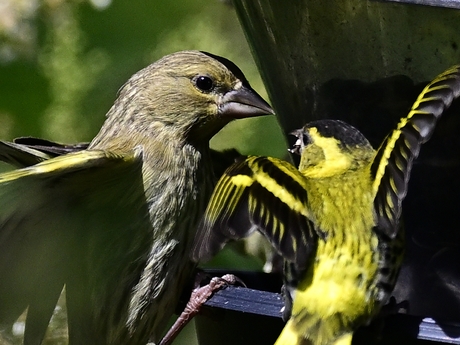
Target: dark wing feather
[19,155]
[264,194]
[27,151]
[392,165]
[50,147]
[228,204]
[56,219]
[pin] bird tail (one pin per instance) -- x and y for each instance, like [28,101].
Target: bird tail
[344,339]
[291,336]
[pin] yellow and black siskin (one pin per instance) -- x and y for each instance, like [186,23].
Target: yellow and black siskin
[114,221]
[335,220]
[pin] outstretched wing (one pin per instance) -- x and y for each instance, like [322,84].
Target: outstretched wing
[20,155]
[27,151]
[259,193]
[58,225]
[393,162]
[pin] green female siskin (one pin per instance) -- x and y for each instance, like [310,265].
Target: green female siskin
[114,222]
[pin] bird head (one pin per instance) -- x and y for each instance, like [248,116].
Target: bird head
[188,94]
[330,147]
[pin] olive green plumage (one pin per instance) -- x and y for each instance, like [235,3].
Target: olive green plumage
[335,220]
[114,221]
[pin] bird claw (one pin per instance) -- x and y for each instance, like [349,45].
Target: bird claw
[198,298]
[226,280]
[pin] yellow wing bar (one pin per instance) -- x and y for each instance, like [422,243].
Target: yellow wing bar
[70,162]
[393,162]
[258,193]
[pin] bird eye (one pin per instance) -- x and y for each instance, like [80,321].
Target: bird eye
[204,83]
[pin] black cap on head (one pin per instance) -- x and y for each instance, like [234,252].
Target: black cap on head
[345,133]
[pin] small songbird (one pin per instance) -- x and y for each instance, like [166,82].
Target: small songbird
[335,220]
[114,221]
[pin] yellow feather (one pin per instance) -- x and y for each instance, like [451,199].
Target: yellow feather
[340,215]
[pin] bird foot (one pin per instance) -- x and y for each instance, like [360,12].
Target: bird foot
[198,298]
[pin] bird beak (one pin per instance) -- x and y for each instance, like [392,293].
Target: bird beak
[299,145]
[243,102]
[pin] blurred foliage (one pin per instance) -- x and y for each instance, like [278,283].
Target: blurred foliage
[62,62]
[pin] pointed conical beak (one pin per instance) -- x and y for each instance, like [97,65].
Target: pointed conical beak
[300,143]
[243,102]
